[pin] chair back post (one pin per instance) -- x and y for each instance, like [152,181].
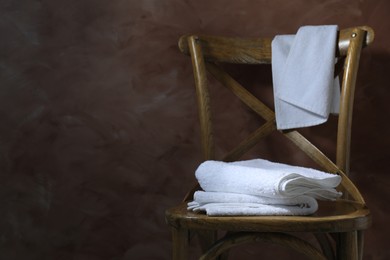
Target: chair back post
[203,96]
[351,65]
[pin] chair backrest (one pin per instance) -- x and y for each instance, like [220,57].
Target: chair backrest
[207,52]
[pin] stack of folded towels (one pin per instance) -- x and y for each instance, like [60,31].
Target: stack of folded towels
[261,187]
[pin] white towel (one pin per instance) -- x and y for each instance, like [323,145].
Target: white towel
[220,203]
[267,179]
[305,90]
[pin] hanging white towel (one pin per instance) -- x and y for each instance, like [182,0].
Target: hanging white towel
[305,90]
[220,203]
[267,179]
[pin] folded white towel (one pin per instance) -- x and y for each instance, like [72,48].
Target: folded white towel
[252,209]
[267,179]
[220,203]
[305,90]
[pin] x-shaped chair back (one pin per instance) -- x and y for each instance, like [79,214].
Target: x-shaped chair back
[208,51]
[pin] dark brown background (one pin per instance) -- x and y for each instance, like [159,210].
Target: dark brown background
[98,122]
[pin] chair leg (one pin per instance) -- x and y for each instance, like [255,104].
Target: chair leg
[207,238]
[180,239]
[360,236]
[347,248]
[326,245]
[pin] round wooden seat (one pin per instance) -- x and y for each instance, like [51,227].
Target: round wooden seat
[336,216]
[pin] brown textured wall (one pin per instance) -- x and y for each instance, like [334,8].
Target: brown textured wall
[98,124]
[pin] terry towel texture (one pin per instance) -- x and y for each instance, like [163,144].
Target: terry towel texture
[305,90]
[220,203]
[261,187]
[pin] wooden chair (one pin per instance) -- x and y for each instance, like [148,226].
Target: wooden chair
[338,225]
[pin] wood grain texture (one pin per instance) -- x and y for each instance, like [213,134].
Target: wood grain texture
[203,97]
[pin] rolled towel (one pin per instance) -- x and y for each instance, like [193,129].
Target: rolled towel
[219,203]
[267,179]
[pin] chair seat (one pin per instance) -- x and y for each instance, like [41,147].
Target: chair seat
[332,216]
